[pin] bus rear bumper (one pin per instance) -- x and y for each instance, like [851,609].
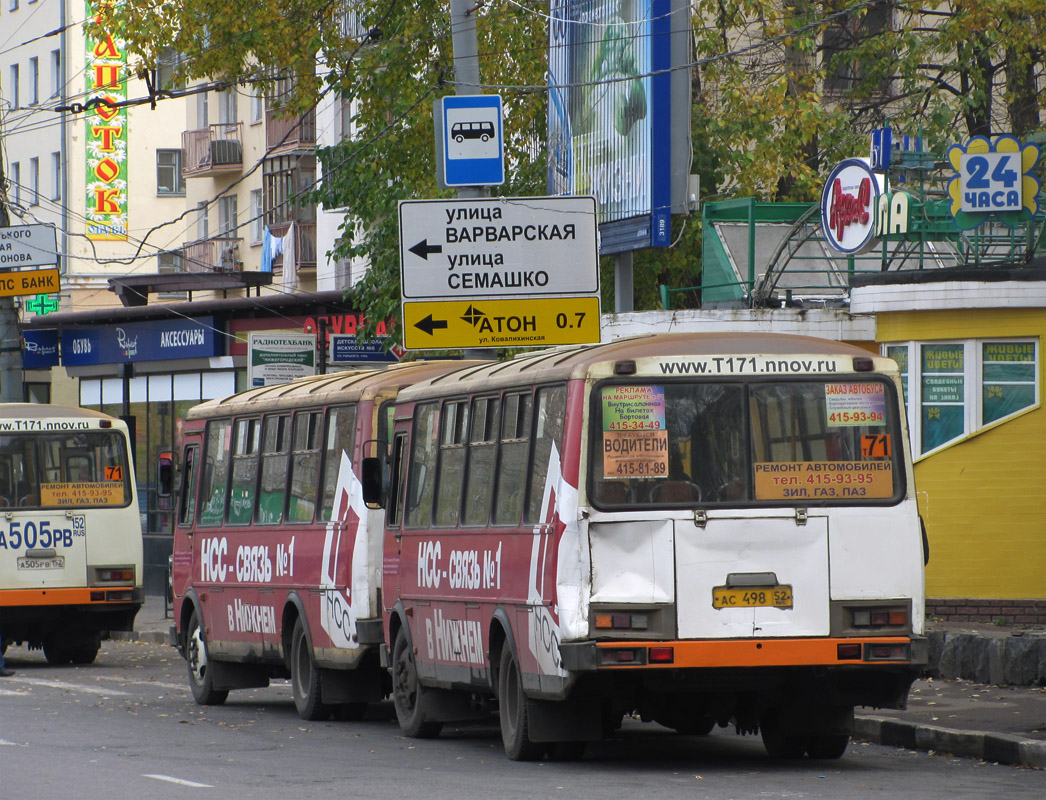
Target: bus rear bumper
[731,653]
[31,615]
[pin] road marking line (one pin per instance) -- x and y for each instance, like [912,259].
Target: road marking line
[180,686]
[73,687]
[5,743]
[12,693]
[179,781]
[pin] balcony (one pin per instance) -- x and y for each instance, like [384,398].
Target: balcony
[214,150]
[304,244]
[284,134]
[220,254]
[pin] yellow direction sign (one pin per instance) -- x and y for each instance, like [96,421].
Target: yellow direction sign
[37,281]
[523,322]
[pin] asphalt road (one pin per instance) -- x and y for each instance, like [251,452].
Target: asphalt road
[126,727]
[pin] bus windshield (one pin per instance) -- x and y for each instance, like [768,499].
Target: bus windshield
[800,442]
[40,470]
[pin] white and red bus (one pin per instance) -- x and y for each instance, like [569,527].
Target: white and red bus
[695,529]
[70,530]
[277,563]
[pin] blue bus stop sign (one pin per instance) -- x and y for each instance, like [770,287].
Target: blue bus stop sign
[470,144]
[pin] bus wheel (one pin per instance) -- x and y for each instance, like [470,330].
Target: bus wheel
[408,695]
[203,690]
[512,708]
[778,738]
[305,677]
[829,745]
[57,654]
[85,653]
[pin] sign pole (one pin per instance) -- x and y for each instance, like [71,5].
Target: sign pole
[465,45]
[11,389]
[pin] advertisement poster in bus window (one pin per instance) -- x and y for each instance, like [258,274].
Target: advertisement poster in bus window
[1008,374]
[856,403]
[95,493]
[824,480]
[943,394]
[635,441]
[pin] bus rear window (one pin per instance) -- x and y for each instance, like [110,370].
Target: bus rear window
[804,442]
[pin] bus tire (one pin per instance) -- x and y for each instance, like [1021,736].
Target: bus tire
[84,654]
[305,677]
[196,658]
[408,695]
[57,654]
[779,739]
[513,711]
[828,745]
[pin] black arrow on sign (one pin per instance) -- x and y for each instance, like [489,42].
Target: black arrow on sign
[429,324]
[423,248]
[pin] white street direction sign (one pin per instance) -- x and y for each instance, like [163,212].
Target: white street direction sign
[498,247]
[28,246]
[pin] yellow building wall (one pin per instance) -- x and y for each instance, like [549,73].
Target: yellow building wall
[983,497]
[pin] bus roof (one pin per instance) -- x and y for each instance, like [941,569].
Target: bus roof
[576,361]
[313,390]
[47,411]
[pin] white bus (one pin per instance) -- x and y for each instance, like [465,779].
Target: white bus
[698,529]
[70,530]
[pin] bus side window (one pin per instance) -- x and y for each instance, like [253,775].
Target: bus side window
[215,476]
[483,448]
[421,482]
[394,505]
[341,431]
[451,463]
[305,466]
[273,486]
[548,431]
[512,459]
[244,471]
[187,489]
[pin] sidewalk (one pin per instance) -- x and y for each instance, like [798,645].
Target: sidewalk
[947,713]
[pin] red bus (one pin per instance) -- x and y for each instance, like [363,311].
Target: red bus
[696,529]
[276,566]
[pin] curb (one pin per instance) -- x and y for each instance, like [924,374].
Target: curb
[153,637]
[998,747]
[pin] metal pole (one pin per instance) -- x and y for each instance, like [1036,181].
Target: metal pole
[465,45]
[11,389]
[623,289]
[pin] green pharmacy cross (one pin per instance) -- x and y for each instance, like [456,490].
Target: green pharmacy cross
[42,304]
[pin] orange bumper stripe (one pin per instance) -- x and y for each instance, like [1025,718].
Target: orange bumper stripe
[754,652]
[50,597]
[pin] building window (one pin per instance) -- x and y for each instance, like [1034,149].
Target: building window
[167,66]
[953,389]
[169,179]
[16,181]
[14,5]
[227,216]
[257,105]
[257,217]
[202,232]
[14,83]
[34,181]
[201,109]
[56,73]
[842,71]
[34,81]
[167,264]
[227,106]
[56,176]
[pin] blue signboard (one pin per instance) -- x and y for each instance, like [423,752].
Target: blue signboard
[346,349]
[39,349]
[473,145]
[140,341]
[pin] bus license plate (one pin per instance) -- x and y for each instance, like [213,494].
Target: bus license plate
[752,597]
[58,562]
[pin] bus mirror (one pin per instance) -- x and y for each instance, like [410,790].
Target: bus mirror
[164,475]
[373,482]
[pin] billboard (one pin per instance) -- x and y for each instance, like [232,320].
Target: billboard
[618,112]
